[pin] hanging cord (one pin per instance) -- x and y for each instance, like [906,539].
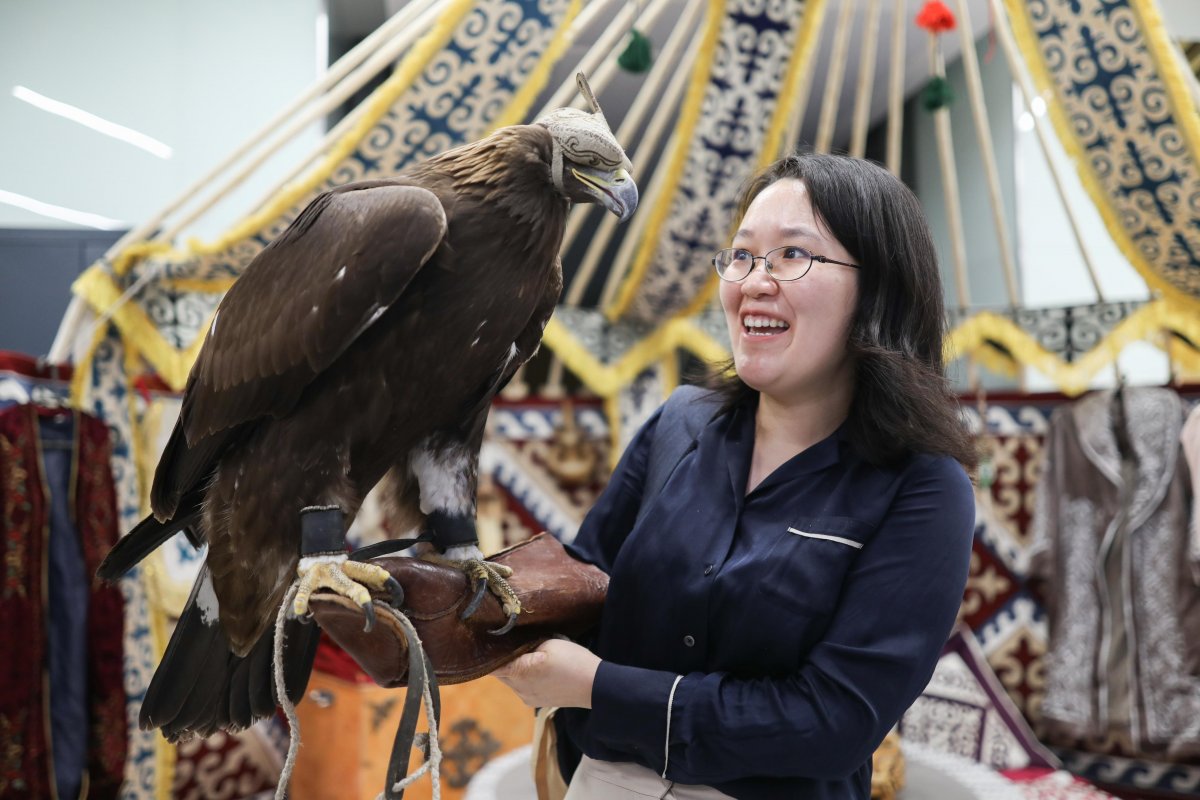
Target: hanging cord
[428,742]
[427,683]
[281,696]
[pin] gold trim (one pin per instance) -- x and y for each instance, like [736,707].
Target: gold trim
[1159,45]
[1145,324]
[173,366]
[608,379]
[1027,43]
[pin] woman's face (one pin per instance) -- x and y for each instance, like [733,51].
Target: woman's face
[802,350]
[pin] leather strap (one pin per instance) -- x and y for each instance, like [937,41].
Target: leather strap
[452,530]
[387,547]
[322,530]
[420,671]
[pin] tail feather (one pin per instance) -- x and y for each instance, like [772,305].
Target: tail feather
[201,687]
[145,538]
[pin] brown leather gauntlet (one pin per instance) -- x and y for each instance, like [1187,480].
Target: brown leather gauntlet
[558,594]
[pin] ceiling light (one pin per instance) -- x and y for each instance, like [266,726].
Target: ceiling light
[59,212]
[127,135]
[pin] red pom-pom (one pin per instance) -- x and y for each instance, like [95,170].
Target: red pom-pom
[935,17]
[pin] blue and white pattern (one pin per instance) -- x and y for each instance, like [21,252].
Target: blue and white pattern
[1109,65]
[748,69]
[1116,772]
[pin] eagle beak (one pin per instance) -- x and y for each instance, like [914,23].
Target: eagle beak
[614,189]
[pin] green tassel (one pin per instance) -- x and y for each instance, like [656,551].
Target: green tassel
[636,57]
[936,94]
[986,474]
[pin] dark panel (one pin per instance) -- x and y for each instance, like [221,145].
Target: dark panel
[37,267]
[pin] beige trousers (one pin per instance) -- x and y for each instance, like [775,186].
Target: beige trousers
[607,780]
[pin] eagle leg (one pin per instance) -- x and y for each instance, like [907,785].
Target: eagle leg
[324,564]
[484,576]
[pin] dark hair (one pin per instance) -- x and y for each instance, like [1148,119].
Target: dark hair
[902,401]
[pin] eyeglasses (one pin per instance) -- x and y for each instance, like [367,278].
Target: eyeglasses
[787,263]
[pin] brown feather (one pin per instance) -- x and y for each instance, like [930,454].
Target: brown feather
[288,408]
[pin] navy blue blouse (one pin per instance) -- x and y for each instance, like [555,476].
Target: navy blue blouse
[804,617]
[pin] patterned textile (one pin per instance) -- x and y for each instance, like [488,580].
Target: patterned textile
[1110,539]
[637,401]
[1010,623]
[348,728]
[1058,785]
[104,390]
[758,44]
[24,380]
[998,604]
[1129,777]
[518,455]
[1124,113]
[608,356]
[26,764]
[482,60]
[227,766]
[1072,344]
[965,711]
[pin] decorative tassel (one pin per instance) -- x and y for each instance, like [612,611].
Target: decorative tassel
[936,94]
[935,17]
[636,57]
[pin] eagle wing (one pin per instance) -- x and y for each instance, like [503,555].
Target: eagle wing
[300,303]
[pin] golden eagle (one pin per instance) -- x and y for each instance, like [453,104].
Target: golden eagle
[364,344]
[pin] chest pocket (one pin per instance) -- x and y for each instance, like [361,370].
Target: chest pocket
[809,562]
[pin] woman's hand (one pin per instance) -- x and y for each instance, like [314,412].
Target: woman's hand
[559,673]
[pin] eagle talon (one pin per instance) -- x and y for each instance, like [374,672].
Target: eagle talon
[397,592]
[476,600]
[508,626]
[369,613]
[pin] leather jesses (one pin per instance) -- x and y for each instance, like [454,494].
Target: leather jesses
[559,595]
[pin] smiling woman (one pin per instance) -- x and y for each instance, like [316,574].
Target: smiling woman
[786,554]
[881,323]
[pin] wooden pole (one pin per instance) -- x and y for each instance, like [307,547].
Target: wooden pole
[895,126]
[958,245]
[833,83]
[987,150]
[378,60]
[649,98]
[77,311]
[866,81]
[945,147]
[350,120]
[1017,67]
[614,30]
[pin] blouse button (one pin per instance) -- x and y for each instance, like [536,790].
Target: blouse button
[689,640]
[708,568]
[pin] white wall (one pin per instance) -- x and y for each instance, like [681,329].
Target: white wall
[198,76]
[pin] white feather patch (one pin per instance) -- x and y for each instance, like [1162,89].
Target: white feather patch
[308,562]
[443,478]
[206,601]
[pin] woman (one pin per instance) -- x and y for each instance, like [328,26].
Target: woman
[783,599]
